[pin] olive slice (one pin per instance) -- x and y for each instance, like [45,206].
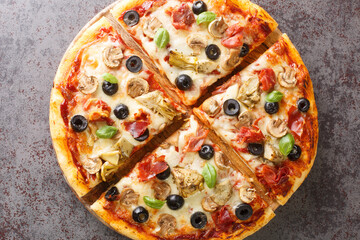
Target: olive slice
[140,214]
[198,220]
[303,105]
[134,64]
[110,88]
[199,7]
[131,18]
[212,51]
[121,111]
[244,50]
[112,194]
[256,149]
[175,202]
[78,123]
[271,107]
[164,175]
[143,137]
[206,152]
[183,82]
[243,211]
[231,107]
[295,153]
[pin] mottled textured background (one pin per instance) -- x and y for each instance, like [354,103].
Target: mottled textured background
[35,201]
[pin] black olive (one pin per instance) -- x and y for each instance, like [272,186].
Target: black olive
[121,111]
[183,82]
[199,7]
[175,202]
[134,64]
[295,153]
[78,123]
[256,149]
[164,175]
[206,152]
[212,51]
[198,220]
[231,107]
[140,214]
[243,211]
[112,194]
[110,88]
[303,105]
[131,18]
[143,137]
[244,50]
[271,107]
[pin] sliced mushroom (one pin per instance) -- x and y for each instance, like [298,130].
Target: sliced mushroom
[187,181]
[217,27]
[107,171]
[287,77]
[196,42]
[221,161]
[167,224]
[271,153]
[165,145]
[151,26]
[92,165]
[125,146]
[129,197]
[111,157]
[137,87]
[277,128]
[247,194]
[209,205]
[222,192]
[211,107]
[231,60]
[161,190]
[249,93]
[206,66]
[88,84]
[112,56]
[245,119]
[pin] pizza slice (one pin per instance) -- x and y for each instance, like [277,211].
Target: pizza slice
[195,43]
[267,113]
[105,105]
[185,189]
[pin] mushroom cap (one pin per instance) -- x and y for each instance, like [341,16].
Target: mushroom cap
[247,194]
[197,42]
[287,77]
[112,56]
[221,161]
[231,60]
[161,190]
[88,84]
[222,192]
[137,87]
[129,197]
[245,119]
[277,128]
[150,27]
[211,107]
[217,27]
[167,223]
[92,165]
[209,205]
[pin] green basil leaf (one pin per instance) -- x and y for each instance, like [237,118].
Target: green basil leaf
[110,78]
[106,132]
[153,203]
[162,38]
[205,17]
[274,96]
[209,174]
[286,144]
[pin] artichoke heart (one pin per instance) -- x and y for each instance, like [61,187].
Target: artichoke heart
[181,61]
[125,147]
[111,157]
[107,171]
[156,103]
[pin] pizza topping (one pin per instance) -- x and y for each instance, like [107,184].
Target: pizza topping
[112,56]
[167,224]
[199,7]
[165,174]
[161,190]
[162,38]
[296,121]
[106,132]
[222,193]
[188,62]
[195,141]
[271,153]
[245,49]
[125,146]
[249,93]
[213,52]
[205,17]
[247,194]
[140,214]
[111,157]
[88,84]
[129,197]
[206,152]
[246,118]
[183,82]
[153,203]
[223,219]
[303,105]
[271,107]
[182,17]
[137,87]
[91,165]
[287,77]
[175,202]
[267,79]
[234,37]
[256,149]
[158,104]
[271,175]
[243,211]
[231,107]
[134,64]
[286,144]
[196,42]
[98,110]
[274,96]
[231,60]
[149,169]
[187,181]
[112,194]
[221,161]
[211,107]
[151,26]
[110,88]
[139,126]
[250,135]
[78,123]
[277,128]
[209,174]
[144,136]
[206,66]
[295,153]
[107,170]
[121,111]
[217,27]
[131,18]
[209,205]
[198,220]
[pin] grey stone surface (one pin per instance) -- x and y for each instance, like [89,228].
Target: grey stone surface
[35,201]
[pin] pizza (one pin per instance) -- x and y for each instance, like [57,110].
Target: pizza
[143,159]
[267,113]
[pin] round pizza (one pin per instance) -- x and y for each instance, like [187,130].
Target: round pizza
[183,119]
